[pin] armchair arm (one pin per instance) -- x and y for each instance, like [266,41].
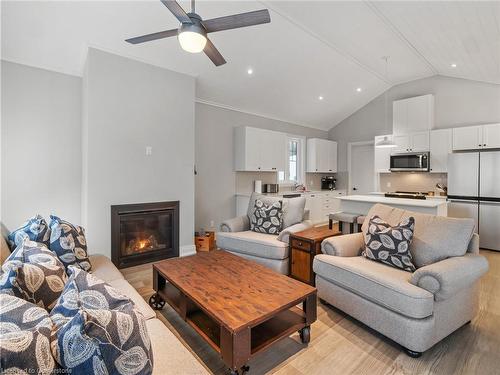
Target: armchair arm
[284,235]
[236,224]
[447,277]
[347,245]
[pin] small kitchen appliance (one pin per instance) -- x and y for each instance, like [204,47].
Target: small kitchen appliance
[410,162]
[328,183]
[270,188]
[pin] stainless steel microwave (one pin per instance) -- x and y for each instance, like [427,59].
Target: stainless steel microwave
[410,162]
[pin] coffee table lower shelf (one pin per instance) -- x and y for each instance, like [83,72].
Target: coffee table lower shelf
[236,348]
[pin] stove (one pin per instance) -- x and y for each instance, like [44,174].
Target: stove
[406,194]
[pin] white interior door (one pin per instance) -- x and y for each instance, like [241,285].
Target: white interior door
[362,169]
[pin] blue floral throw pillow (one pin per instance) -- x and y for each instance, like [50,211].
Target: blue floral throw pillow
[33,272]
[35,229]
[69,243]
[98,330]
[25,338]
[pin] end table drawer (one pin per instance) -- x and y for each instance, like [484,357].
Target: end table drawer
[300,267]
[300,244]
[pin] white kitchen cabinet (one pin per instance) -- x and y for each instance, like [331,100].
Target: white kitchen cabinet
[402,144]
[419,142]
[413,114]
[491,136]
[414,142]
[382,158]
[467,138]
[259,150]
[440,147]
[321,156]
[314,203]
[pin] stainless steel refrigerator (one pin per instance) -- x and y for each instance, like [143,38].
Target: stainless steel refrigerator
[474,192]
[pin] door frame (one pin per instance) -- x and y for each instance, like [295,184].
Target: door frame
[349,161]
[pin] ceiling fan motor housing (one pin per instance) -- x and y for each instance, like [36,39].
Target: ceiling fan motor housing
[195,27]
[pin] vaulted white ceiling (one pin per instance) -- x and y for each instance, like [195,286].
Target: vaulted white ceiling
[309,49]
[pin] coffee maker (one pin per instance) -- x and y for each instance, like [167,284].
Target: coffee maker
[328,183]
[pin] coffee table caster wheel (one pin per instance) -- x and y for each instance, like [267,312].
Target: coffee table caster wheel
[156,302]
[305,335]
[244,369]
[233,372]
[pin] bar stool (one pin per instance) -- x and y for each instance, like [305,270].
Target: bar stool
[343,217]
[360,220]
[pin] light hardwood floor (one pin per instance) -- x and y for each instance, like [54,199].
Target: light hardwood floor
[341,345]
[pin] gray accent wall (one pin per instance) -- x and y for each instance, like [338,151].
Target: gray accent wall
[41,147]
[216,180]
[458,102]
[130,105]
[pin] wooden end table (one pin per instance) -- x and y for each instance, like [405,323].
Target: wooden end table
[238,306]
[303,246]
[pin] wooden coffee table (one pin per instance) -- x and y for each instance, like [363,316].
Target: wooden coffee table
[238,306]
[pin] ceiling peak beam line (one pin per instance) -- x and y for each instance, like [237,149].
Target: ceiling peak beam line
[327,43]
[399,34]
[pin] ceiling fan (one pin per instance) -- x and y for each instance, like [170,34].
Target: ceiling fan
[192,33]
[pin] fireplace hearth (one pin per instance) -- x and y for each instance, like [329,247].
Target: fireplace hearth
[144,232]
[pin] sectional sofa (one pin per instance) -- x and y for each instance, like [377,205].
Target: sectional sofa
[169,354]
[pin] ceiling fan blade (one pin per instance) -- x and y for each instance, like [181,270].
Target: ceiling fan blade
[177,11]
[213,54]
[237,20]
[153,36]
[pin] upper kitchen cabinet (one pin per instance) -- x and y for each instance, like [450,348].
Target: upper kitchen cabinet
[415,142]
[321,155]
[413,115]
[476,137]
[491,136]
[440,142]
[259,150]
[382,161]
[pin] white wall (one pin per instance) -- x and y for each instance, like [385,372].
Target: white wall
[458,102]
[216,179]
[130,105]
[41,148]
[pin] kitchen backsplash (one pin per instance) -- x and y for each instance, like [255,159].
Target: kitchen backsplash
[245,181]
[402,181]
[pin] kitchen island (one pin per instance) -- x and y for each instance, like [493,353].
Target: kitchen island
[361,204]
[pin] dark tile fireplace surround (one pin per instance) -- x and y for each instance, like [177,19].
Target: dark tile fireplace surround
[144,232]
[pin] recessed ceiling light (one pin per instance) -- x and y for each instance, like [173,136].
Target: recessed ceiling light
[250,71]
[359,89]
[453,65]
[320,97]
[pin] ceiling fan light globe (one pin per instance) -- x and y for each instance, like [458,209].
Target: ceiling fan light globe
[192,38]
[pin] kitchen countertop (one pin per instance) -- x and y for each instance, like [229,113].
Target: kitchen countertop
[295,192]
[428,196]
[396,201]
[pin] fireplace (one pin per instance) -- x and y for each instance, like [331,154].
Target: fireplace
[142,233]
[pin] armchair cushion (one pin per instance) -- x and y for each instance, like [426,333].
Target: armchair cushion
[347,245]
[236,224]
[384,285]
[252,243]
[284,235]
[435,237]
[293,208]
[447,277]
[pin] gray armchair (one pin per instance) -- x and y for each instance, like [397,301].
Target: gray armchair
[417,309]
[267,249]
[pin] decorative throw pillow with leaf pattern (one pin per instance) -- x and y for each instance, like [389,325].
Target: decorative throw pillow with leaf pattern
[24,337]
[69,243]
[390,245]
[34,273]
[267,218]
[98,330]
[34,229]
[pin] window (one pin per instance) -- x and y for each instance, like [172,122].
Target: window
[294,162]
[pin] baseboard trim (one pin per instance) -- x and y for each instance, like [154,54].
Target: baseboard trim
[187,250]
